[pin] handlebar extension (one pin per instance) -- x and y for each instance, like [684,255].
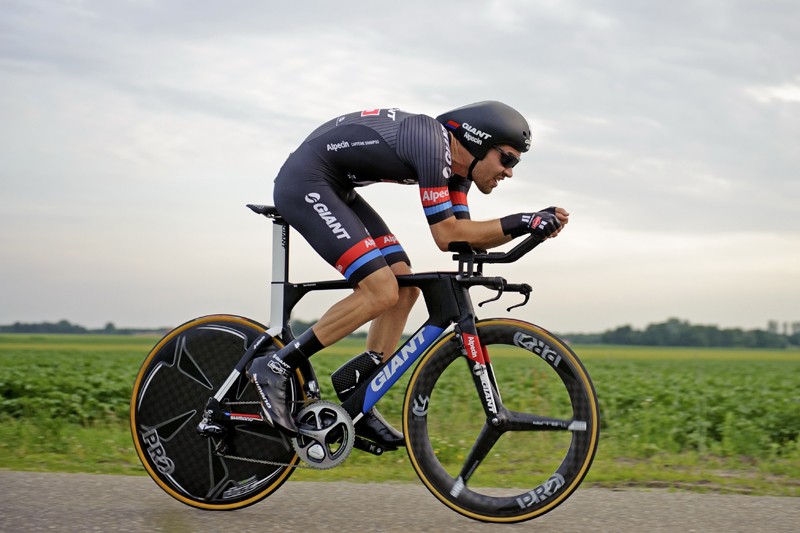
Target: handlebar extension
[469,257]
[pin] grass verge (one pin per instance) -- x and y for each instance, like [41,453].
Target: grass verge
[722,421]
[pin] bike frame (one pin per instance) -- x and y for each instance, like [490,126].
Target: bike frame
[448,302]
[234,459]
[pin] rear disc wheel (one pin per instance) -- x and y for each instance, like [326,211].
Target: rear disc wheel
[172,387]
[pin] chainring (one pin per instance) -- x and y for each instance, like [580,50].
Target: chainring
[326,435]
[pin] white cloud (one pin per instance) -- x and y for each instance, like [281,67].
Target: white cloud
[785,92]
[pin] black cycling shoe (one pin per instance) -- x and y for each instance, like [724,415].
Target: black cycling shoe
[372,425]
[270,375]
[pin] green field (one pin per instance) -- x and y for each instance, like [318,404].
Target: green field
[683,418]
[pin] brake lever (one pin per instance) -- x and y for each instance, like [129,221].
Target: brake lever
[499,294]
[526,291]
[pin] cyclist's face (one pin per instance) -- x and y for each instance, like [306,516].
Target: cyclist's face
[489,171]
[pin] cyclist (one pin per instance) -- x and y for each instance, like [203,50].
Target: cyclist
[315,192]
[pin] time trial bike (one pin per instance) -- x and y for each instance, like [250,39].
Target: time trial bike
[500,417]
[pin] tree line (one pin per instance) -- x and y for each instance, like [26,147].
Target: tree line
[64,327]
[676,332]
[673,332]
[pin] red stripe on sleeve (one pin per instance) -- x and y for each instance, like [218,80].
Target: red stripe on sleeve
[458,197]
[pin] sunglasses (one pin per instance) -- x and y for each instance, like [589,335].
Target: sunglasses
[508,160]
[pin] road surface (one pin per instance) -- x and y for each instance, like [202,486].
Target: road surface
[83,502]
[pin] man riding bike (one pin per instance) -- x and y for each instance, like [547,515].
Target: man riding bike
[315,192]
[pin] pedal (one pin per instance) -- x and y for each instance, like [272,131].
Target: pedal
[368,446]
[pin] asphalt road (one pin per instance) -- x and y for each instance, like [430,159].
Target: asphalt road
[83,502]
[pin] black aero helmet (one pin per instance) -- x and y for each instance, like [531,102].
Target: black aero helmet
[482,125]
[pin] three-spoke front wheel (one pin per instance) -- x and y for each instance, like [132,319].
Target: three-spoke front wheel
[526,460]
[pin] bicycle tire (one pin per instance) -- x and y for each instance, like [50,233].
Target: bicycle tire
[181,372]
[547,376]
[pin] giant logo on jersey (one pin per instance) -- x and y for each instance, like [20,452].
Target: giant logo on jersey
[326,216]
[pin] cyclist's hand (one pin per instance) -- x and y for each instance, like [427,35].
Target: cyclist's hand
[544,223]
[563,217]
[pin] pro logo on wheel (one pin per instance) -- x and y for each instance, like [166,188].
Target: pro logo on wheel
[157,453]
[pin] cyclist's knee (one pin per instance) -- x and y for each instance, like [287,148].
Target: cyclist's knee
[386,297]
[380,290]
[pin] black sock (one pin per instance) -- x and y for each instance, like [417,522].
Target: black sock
[300,349]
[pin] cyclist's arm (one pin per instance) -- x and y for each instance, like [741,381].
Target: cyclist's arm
[480,234]
[544,224]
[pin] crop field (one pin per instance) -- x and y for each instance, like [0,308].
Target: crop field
[682,418]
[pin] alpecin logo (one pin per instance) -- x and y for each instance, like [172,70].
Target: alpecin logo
[471,344]
[387,240]
[434,195]
[334,147]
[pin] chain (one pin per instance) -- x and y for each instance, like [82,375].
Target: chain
[262,461]
[255,402]
[252,460]
[259,461]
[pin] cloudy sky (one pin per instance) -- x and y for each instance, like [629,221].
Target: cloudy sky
[133,133]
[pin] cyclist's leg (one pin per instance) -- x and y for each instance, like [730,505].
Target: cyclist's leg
[336,222]
[347,316]
[376,294]
[270,374]
[310,200]
[373,295]
[317,207]
[386,329]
